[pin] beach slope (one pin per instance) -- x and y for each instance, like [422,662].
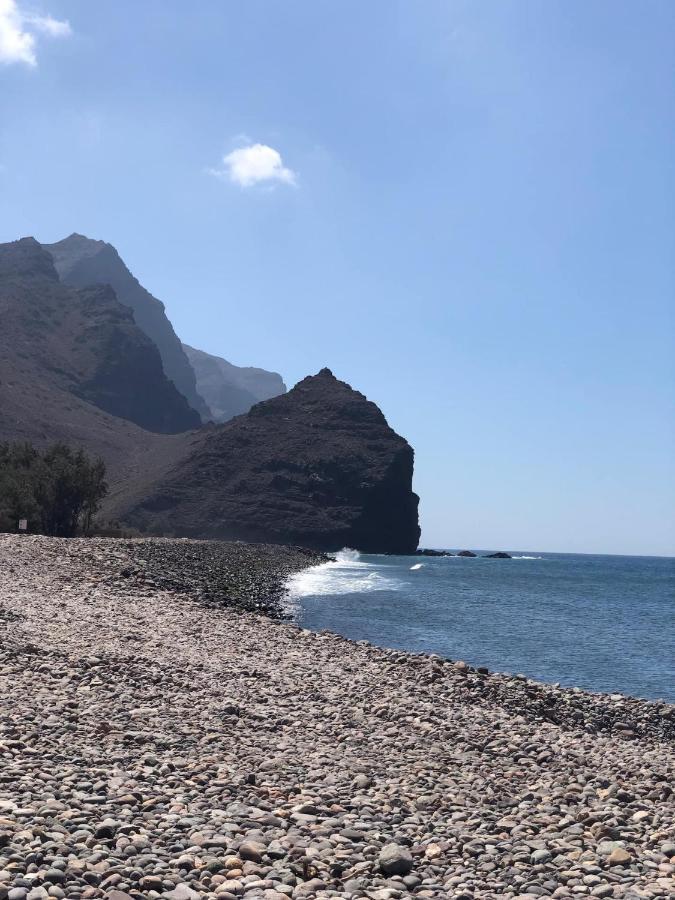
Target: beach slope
[163,734]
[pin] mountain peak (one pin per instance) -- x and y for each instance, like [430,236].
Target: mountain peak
[58,343]
[70,251]
[26,258]
[82,261]
[77,237]
[323,389]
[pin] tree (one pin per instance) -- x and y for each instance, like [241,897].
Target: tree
[59,490]
[96,489]
[18,469]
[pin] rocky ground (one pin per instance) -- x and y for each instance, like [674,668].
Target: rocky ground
[157,738]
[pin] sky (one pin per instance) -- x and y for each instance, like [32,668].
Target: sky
[465,208]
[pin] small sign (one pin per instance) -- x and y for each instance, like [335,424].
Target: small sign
[23,524]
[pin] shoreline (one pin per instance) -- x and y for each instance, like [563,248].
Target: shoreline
[606,712]
[239,755]
[479,665]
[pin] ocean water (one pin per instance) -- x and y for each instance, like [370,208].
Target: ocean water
[602,623]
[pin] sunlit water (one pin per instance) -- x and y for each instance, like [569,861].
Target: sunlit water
[604,623]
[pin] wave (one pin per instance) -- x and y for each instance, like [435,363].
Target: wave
[348,574]
[416,567]
[347,555]
[527,557]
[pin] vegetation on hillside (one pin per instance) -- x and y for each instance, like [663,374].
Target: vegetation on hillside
[57,490]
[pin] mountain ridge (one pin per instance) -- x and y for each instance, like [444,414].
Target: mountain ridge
[84,341]
[231,390]
[81,261]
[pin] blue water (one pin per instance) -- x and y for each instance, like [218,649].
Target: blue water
[603,623]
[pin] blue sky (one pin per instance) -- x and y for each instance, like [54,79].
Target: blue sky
[465,209]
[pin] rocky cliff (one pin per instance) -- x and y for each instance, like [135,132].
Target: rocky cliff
[317,466]
[81,262]
[57,339]
[231,390]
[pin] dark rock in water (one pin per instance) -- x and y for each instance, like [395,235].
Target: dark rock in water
[424,551]
[231,390]
[318,466]
[56,340]
[467,553]
[499,555]
[82,261]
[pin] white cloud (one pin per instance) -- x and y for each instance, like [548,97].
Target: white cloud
[254,164]
[17,38]
[50,26]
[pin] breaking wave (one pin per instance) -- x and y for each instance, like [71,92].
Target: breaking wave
[348,574]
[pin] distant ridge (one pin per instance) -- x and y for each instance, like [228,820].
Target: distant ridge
[231,390]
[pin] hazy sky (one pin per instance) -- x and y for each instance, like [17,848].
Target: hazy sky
[465,208]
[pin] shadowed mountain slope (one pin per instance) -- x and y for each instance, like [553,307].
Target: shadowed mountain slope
[83,344]
[81,261]
[317,466]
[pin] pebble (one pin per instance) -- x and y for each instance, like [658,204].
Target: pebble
[164,733]
[395,860]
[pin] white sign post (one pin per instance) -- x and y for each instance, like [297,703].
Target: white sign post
[23,524]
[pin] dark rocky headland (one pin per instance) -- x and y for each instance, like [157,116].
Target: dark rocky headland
[318,466]
[160,736]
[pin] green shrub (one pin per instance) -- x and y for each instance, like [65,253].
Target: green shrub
[58,490]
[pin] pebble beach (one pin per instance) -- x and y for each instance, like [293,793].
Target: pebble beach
[165,733]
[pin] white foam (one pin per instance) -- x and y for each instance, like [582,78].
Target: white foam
[527,557]
[416,567]
[347,555]
[347,575]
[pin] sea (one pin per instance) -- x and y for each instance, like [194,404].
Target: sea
[601,623]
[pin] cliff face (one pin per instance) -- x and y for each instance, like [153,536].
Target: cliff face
[318,466]
[81,262]
[83,342]
[231,390]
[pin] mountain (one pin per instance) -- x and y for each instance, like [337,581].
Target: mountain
[231,390]
[60,345]
[318,466]
[81,262]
